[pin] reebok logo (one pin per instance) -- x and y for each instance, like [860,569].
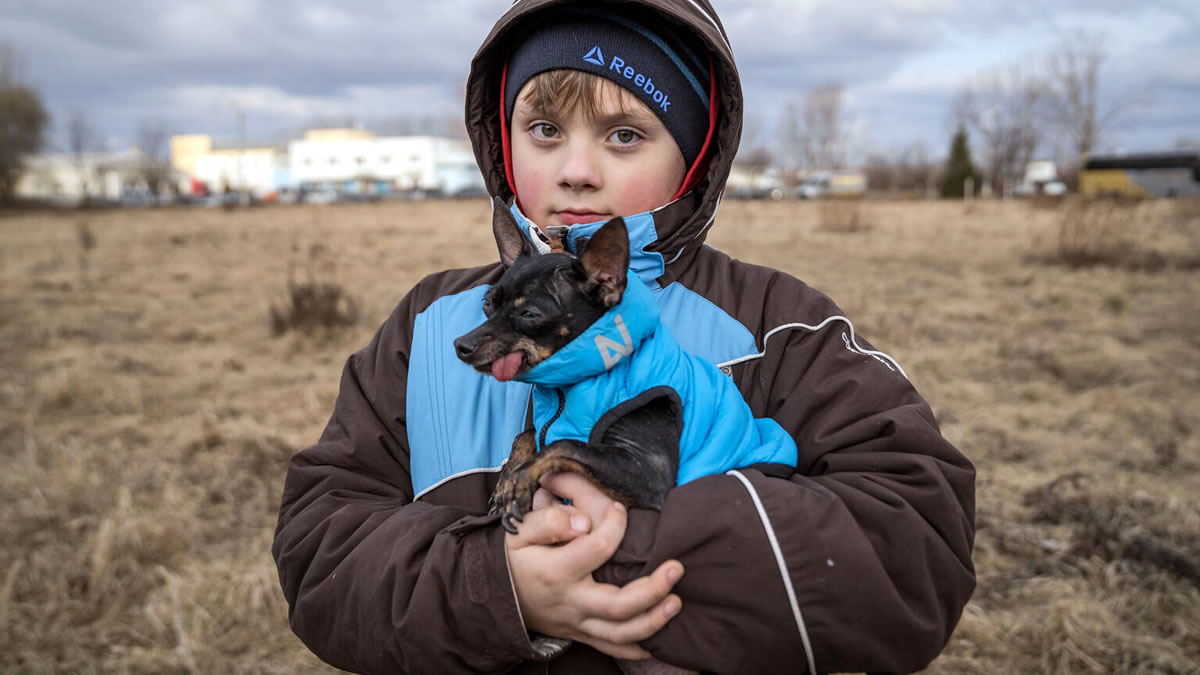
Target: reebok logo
[595,57]
[646,84]
[612,351]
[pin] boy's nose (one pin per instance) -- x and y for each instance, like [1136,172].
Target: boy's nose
[580,168]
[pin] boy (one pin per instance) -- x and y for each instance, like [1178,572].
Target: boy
[860,560]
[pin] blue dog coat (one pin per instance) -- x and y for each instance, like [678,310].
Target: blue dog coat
[627,353]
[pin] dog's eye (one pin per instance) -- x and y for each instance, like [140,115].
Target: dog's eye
[530,315]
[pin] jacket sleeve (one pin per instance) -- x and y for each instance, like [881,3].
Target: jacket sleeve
[374,581]
[861,561]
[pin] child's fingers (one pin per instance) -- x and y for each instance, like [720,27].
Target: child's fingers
[611,603]
[568,484]
[546,527]
[543,498]
[635,629]
[584,554]
[582,493]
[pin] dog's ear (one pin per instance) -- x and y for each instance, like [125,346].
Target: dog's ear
[509,239]
[606,260]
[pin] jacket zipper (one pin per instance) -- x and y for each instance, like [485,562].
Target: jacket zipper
[562,403]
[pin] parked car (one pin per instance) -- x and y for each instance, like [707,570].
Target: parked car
[821,184]
[759,192]
[321,197]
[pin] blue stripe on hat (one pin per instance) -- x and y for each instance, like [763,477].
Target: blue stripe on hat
[687,72]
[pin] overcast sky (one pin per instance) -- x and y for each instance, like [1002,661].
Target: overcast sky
[194,65]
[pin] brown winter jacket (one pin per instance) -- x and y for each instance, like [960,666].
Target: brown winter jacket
[859,561]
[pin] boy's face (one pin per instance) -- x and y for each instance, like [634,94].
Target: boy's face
[570,169]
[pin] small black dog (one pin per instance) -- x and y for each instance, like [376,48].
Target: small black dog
[539,305]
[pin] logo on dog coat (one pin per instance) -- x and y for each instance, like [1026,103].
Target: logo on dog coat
[612,351]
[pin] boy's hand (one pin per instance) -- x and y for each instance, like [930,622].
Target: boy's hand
[552,560]
[579,491]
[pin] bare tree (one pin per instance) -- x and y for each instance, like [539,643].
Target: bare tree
[791,132]
[756,160]
[1073,98]
[915,169]
[82,138]
[879,171]
[152,140]
[824,144]
[813,130]
[753,156]
[23,121]
[1002,107]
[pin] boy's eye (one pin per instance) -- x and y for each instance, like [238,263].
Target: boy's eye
[625,136]
[544,131]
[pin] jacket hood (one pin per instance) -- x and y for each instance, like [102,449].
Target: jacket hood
[679,227]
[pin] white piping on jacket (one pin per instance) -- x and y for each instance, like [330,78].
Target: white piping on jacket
[460,474]
[713,217]
[704,229]
[704,13]
[783,571]
[851,344]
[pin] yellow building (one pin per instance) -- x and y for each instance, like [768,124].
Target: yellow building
[256,169]
[337,134]
[186,149]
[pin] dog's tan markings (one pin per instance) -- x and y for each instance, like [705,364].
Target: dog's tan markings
[564,331]
[524,447]
[534,353]
[519,301]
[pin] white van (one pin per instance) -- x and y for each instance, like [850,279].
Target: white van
[832,184]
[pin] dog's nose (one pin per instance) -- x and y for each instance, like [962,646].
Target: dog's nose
[465,346]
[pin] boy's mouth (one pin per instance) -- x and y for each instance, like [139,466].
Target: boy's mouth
[579,217]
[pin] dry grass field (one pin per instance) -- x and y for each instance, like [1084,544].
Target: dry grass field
[148,409]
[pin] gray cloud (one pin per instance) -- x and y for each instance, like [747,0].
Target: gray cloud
[195,64]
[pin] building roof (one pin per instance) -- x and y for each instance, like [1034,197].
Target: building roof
[1145,160]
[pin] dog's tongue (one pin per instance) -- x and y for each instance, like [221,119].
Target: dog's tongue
[505,368]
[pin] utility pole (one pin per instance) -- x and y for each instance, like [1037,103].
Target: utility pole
[241,153]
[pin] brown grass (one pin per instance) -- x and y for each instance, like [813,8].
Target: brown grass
[847,216]
[147,414]
[1128,234]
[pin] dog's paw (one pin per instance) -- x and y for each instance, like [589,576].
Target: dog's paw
[546,647]
[513,496]
[516,506]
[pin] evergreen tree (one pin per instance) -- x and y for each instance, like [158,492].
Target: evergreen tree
[959,167]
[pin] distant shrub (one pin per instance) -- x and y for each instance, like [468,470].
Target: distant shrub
[316,303]
[87,238]
[1095,232]
[311,305]
[843,215]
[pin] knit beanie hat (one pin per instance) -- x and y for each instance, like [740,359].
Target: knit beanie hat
[663,66]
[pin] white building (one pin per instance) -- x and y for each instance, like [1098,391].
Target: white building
[261,170]
[67,178]
[356,161]
[257,170]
